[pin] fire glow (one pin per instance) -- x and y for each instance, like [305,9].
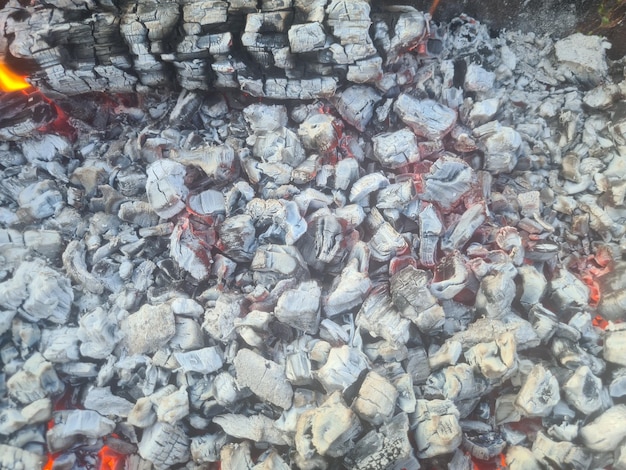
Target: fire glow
[108,458]
[497,463]
[590,269]
[10,81]
[60,123]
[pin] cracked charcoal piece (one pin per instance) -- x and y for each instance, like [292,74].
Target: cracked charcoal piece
[300,307]
[166,188]
[427,118]
[322,242]
[263,377]
[206,448]
[356,105]
[32,287]
[396,196]
[255,428]
[540,392]
[237,237]
[469,222]
[430,230]
[447,182]
[379,316]
[164,445]
[606,431]
[328,430]
[410,294]
[219,321]
[376,399]
[547,451]
[73,425]
[496,293]
[438,431]
[35,380]
[348,291]
[342,368]
[106,403]
[484,446]
[496,360]
[366,185]
[379,449]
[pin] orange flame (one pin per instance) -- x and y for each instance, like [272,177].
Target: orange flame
[10,81]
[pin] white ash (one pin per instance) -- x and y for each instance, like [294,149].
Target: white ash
[303,284]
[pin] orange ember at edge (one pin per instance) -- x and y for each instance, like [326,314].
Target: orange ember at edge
[497,463]
[10,81]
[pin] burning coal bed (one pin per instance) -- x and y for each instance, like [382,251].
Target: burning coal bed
[418,264]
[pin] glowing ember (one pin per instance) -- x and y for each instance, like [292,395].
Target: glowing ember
[49,463]
[599,322]
[590,269]
[61,125]
[10,81]
[110,459]
[497,463]
[594,289]
[66,401]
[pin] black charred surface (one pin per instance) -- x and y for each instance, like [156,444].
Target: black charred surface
[136,45]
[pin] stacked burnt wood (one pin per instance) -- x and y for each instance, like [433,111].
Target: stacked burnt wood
[282,49]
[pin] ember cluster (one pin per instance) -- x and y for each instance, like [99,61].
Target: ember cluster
[407,270]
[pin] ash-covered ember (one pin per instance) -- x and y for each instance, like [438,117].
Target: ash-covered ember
[415,260]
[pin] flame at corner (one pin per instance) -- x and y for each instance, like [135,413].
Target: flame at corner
[10,81]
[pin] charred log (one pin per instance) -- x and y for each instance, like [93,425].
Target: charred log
[284,50]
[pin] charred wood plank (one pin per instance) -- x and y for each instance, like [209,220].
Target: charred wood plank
[284,50]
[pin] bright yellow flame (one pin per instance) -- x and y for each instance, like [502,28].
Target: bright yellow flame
[10,81]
